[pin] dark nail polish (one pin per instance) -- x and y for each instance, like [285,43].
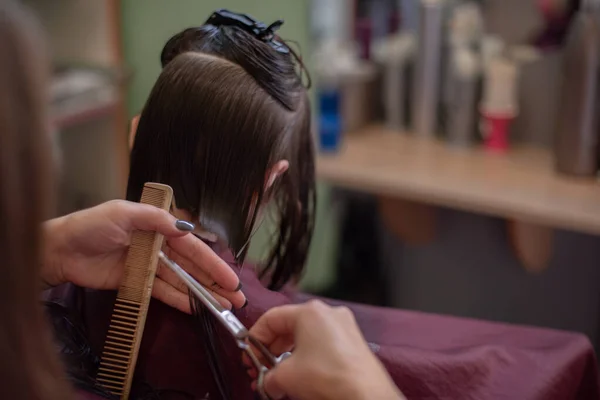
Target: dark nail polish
[239,287]
[245,304]
[184,225]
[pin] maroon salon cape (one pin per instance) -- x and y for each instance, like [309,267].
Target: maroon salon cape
[428,356]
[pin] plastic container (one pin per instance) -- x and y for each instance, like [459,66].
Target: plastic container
[499,106]
[462,95]
[330,120]
[395,54]
[427,87]
[576,139]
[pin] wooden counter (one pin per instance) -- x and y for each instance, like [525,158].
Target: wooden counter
[520,185]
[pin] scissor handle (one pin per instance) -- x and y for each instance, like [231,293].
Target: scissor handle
[271,359]
[261,369]
[283,356]
[260,383]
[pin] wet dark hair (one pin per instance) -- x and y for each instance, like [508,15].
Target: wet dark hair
[214,125]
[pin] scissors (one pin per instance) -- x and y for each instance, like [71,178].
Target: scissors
[240,333]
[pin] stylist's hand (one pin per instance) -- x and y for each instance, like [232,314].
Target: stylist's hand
[89,248]
[330,359]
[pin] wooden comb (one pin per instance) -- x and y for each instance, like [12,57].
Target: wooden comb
[126,328]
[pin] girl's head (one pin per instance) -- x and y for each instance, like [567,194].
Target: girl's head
[227,125]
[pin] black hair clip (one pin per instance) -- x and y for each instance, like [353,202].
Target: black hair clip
[243,21]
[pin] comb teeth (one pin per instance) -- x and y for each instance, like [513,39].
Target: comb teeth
[126,327]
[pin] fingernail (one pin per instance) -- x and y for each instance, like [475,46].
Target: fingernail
[245,304]
[239,287]
[184,225]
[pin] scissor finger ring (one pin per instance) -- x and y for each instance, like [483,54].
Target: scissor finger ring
[260,384]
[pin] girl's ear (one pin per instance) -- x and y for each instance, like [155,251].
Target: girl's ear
[133,130]
[275,172]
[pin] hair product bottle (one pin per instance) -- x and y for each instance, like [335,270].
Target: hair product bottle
[499,105]
[427,88]
[395,54]
[462,95]
[576,139]
[462,74]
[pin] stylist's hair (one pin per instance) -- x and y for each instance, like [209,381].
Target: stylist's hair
[29,367]
[225,109]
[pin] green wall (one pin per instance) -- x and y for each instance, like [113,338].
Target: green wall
[148,24]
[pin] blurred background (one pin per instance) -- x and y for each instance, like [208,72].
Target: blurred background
[457,142]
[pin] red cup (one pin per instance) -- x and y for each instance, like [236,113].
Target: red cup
[495,129]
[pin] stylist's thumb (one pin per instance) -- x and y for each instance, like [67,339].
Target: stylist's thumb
[279,380]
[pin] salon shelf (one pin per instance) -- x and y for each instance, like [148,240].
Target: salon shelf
[520,185]
[88,34]
[83,93]
[93,112]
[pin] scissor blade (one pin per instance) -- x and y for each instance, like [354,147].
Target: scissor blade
[224,315]
[200,291]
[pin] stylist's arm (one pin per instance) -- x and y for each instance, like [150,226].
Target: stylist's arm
[330,359]
[89,248]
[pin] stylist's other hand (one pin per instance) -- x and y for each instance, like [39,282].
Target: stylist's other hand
[89,248]
[330,360]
